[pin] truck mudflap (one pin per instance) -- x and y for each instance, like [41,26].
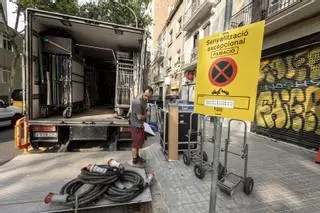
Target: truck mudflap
[22,123]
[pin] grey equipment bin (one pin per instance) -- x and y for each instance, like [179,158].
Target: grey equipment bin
[231,181]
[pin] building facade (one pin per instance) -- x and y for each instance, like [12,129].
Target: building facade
[6,58]
[288,98]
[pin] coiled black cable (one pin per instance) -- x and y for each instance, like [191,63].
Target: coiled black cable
[123,194]
[109,177]
[116,185]
[90,194]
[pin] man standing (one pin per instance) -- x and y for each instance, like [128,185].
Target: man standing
[138,116]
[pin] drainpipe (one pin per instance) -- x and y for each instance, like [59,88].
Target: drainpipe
[227,15]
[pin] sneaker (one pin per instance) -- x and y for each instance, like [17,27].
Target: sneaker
[136,162]
[141,160]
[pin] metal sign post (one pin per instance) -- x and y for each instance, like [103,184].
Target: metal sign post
[218,124]
[227,71]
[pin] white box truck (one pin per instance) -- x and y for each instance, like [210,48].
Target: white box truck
[79,78]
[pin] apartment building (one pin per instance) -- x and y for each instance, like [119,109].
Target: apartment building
[288,99]
[159,11]
[166,76]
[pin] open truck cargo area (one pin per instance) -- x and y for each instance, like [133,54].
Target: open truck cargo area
[79,72]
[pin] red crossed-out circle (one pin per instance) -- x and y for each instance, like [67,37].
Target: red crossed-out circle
[222,71]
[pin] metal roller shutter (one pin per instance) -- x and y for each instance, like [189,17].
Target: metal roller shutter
[288,98]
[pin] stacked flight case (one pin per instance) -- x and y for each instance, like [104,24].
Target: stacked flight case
[183,128]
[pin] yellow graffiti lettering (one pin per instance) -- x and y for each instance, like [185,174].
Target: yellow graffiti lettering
[296,103]
[264,109]
[300,62]
[278,112]
[312,107]
[296,109]
[285,97]
[290,70]
[314,62]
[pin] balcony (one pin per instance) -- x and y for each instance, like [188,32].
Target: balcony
[158,78]
[159,54]
[194,54]
[197,12]
[277,13]
[191,65]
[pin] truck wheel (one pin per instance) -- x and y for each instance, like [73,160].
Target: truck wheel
[14,119]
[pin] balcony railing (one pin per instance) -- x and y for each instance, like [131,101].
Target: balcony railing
[194,54]
[196,12]
[280,5]
[158,78]
[259,10]
[243,17]
[159,54]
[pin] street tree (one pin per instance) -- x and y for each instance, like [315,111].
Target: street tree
[124,12]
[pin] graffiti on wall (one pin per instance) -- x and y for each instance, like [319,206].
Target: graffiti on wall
[289,92]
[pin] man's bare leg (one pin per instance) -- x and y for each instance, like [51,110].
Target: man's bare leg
[139,157]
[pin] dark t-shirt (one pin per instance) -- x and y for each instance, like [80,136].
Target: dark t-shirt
[138,106]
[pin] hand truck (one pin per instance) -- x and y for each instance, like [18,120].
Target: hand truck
[231,181]
[199,156]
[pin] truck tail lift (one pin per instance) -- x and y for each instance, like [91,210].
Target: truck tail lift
[230,182]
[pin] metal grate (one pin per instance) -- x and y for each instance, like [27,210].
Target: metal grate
[276,6]
[125,68]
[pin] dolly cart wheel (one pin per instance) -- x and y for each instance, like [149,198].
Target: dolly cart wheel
[186,158]
[199,171]
[205,156]
[248,185]
[221,171]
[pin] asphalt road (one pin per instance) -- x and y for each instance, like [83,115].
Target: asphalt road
[6,134]
[7,147]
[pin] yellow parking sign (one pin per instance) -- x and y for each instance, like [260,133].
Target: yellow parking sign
[228,72]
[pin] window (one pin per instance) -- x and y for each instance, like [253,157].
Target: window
[161,67]
[178,57]
[206,29]
[179,26]
[170,37]
[195,40]
[4,75]
[169,62]
[6,43]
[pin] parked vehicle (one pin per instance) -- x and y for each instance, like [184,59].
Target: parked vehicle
[80,77]
[9,114]
[17,98]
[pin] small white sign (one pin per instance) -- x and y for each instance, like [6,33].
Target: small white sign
[148,129]
[45,134]
[220,103]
